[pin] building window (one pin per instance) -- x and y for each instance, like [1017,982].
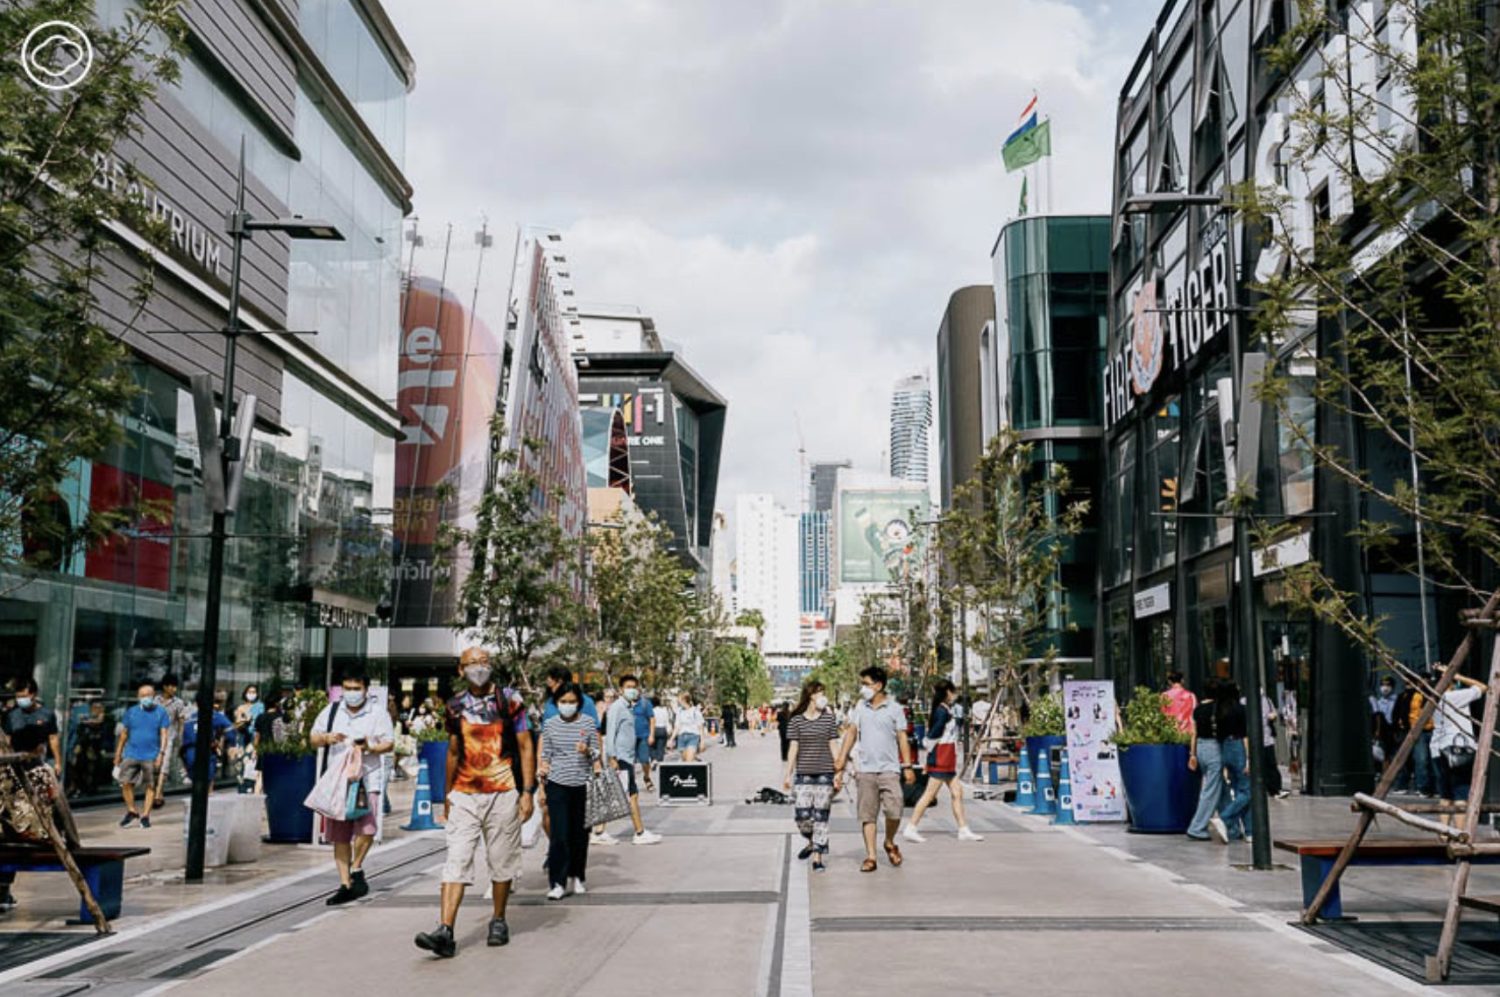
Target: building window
[1201,483]
[1295,428]
[1163,432]
[1121,525]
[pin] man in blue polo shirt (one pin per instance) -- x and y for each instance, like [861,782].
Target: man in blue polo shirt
[645,737]
[140,751]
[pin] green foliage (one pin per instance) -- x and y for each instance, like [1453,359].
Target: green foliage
[645,600]
[838,670]
[755,620]
[1143,720]
[739,675]
[1046,718]
[1415,373]
[296,742]
[63,365]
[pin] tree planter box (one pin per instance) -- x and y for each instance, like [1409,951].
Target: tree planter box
[287,782]
[435,754]
[1160,789]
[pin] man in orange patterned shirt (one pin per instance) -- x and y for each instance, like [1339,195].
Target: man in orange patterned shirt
[491,779]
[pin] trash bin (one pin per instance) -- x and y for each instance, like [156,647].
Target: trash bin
[216,838]
[244,838]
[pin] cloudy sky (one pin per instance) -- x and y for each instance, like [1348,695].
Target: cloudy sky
[792,188]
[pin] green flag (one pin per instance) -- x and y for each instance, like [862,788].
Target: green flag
[1028,147]
[1023,194]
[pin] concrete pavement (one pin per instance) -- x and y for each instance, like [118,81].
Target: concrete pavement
[722,906]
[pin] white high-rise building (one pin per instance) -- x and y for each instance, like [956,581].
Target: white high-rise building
[767,576]
[911,423]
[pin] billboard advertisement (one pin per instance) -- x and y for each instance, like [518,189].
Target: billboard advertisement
[877,533]
[446,393]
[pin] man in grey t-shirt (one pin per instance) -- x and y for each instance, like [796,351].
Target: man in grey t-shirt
[877,730]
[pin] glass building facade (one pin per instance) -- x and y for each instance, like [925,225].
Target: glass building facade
[1040,359]
[308,563]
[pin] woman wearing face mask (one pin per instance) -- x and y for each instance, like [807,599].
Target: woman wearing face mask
[687,731]
[942,765]
[811,732]
[570,750]
[245,715]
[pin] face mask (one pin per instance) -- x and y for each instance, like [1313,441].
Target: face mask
[354,699]
[478,675]
[148,703]
[820,701]
[251,697]
[567,710]
[631,695]
[867,692]
[1386,690]
[24,702]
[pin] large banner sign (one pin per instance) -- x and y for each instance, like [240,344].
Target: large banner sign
[1094,765]
[877,533]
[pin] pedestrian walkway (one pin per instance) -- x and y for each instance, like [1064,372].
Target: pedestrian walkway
[722,906]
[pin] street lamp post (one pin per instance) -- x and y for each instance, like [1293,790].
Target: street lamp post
[1245,450]
[227,452]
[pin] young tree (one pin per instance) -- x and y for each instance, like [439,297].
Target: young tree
[645,599]
[756,620]
[64,368]
[1396,338]
[739,675]
[838,670]
[1001,547]
[522,595]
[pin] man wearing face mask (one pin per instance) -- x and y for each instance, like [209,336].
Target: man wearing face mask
[32,730]
[354,721]
[491,787]
[619,748]
[145,731]
[878,727]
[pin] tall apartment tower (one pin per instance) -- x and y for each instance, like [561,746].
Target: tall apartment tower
[767,579]
[911,423]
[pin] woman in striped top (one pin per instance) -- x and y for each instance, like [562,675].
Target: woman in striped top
[811,731]
[570,751]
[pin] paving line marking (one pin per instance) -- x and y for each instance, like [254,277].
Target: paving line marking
[796,932]
[778,937]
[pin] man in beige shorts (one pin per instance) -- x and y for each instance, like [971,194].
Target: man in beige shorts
[491,782]
[878,728]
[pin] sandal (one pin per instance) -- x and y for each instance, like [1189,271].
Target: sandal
[893,853]
[868,865]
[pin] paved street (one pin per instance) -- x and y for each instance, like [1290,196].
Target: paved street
[724,904]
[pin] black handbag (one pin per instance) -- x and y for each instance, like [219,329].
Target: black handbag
[1458,756]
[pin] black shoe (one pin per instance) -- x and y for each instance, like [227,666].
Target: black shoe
[357,885]
[7,900]
[130,815]
[499,932]
[805,853]
[343,895]
[145,822]
[438,941]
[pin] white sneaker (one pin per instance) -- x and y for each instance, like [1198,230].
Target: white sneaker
[646,838]
[604,839]
[910,834]
[1218,830]
[556,893]
[964,834]
[576,886]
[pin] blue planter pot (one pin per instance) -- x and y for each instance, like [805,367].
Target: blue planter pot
[435,754]
[1039,752]
[1160,789]
[287,782]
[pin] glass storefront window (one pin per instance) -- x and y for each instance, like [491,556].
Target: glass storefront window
[1208,611]
[1201,483]
[1121,526]
[1163,430]
[1295,427]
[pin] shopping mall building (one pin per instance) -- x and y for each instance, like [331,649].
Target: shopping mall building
[319,98]
[1202,108]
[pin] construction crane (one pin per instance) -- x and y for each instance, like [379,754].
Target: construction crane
[802,482]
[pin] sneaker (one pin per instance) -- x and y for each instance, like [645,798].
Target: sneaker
[358,886]
[805,853]
[604,839]
[439,941]
[130,816]
[343,895]
[1218,830]
[146,822]
[910,834]
[7,900]
[499,933]
[556,893]
[1283,794]
[646,838]
[964,834]
[576,886]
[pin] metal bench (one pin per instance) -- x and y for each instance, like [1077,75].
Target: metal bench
[103,869]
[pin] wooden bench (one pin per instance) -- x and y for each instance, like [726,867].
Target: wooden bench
[1317,858]
[1488,904]
[102,868]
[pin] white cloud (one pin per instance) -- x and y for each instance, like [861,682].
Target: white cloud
[791,188]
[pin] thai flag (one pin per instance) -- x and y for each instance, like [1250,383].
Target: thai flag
[1028,121]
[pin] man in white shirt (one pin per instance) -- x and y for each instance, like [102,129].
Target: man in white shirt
[354,721]
[878,730]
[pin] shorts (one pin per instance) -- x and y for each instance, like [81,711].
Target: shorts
[659,749]
[134,772]
[627,776]
[1452,783]
[493,819]
[941,776]
[878,793]
[642,751]
[688,741]
[341,832]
